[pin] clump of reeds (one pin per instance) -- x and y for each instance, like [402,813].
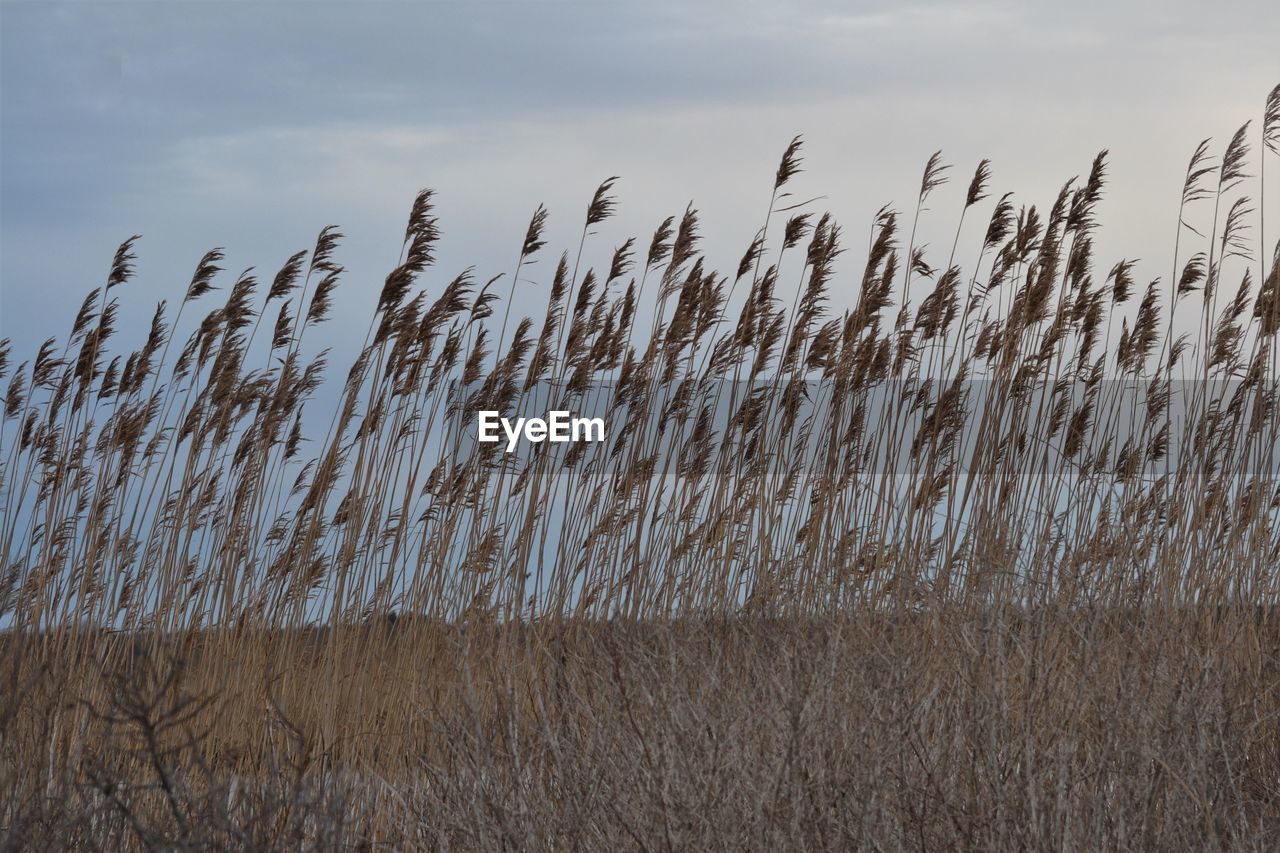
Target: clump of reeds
[1044,459]
[147,492]
[804,435]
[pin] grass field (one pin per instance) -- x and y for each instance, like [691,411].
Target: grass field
[978,730]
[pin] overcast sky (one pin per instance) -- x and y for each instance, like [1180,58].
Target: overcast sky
[252,125]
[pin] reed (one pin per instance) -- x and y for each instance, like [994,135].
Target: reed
[247,563]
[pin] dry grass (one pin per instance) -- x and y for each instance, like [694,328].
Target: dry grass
[1005,730]
[885,554]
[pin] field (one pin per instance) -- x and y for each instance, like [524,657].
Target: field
[998,730]
[879,552]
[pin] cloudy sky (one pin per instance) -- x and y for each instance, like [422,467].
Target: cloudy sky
[251,125]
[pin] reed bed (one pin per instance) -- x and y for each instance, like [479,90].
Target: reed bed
[948,729]
[934,556]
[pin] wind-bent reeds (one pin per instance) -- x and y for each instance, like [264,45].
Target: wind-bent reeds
[880,549]
[1022,431]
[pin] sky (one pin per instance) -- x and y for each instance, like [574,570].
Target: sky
[250,126]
